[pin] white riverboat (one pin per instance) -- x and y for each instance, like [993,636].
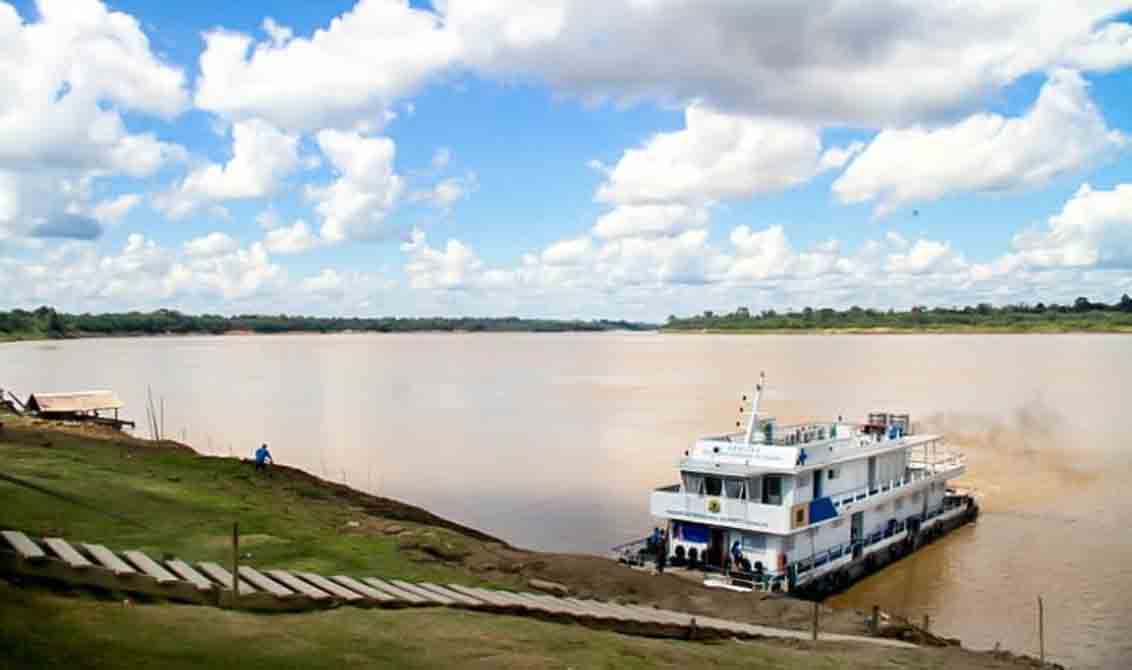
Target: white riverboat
[809,506]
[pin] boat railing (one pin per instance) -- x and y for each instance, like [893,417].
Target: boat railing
[914,474]
[802,566]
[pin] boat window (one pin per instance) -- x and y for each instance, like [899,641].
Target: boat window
[693,483]
[834,473]
[735,488]
[754,542]
[772,490]
[713,486]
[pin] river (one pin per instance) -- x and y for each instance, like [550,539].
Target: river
[554,441]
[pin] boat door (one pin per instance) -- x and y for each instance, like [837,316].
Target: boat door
[817,484]
[873,474]
[715,550]
[856,531]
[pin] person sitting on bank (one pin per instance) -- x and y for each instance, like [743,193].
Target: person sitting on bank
[263,457]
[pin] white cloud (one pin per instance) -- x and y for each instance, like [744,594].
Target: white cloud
[853,63]
[292,239]
[835,158]
[925,256]
[1093,229]
[65,78]
[447,192]
[761,254]
[261,157]
[715,156]
[354,207]
[455,267]
[140,274]
[327,282]
[342,75]
[567,252]
[650,220]
[1063,132]
[112,210]
[212,244]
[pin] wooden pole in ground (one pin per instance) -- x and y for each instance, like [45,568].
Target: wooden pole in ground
[235,562]
[1041,631]
[927,623]
[814,634]
[874,622]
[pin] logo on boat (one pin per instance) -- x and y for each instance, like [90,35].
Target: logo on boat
[713,505]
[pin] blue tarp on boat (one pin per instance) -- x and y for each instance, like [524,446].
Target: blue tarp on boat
[822,509]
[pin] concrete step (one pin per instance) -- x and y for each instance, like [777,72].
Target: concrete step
[187,573]
[401,595]
[65,551]
[23,545]
[109,560]
[223,578]
[367,591]
[150,567]
[334,589]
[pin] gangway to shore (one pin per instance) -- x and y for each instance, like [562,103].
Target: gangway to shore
[94,567]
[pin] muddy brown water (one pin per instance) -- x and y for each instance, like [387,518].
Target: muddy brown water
[554,441]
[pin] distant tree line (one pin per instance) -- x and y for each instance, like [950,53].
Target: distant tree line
[45,322]
[1082,315]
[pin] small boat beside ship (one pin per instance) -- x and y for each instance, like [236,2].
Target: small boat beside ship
[806,508]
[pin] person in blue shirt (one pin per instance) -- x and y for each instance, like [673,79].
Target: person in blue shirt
[263,457]
[736,557]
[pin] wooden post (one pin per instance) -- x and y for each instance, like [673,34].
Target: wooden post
[814,634]
[235,562]
[874,622]
[1041,631]
[927,623]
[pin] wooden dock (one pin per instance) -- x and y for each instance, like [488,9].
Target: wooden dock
[93,566]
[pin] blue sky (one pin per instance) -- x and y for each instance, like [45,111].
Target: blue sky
[562,158]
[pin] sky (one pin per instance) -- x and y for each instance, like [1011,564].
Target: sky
[562,158]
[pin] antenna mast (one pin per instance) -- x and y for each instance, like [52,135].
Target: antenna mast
[753,422]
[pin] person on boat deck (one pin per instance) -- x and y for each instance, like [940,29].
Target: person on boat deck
[661,553]
[654,541]
[736,556]
[263,457]
[801,456]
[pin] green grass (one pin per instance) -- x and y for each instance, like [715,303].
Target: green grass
[163,500]
[39,629]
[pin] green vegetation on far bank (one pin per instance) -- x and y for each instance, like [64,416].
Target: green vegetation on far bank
[45,322]
[1083,315]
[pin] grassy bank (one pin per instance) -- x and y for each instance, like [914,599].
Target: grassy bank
[126,493]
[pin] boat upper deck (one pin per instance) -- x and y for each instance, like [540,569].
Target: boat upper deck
[801,447]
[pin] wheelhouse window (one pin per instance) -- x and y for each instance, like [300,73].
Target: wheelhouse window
[693,483]
[735,488]
[713,486]
[729,487]
[772,490]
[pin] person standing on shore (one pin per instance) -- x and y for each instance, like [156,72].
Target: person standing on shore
[661,552]
[263,457]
